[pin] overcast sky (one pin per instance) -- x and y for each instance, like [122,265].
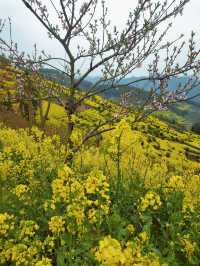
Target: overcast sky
[27,30]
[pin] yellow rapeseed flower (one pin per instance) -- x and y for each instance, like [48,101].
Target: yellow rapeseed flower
[150,200]
[20,190]
[56,224]
[189,246]
[5,225]
[44,262]
[109,252]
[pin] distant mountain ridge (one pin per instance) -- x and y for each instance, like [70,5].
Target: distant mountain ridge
[146,85]
[58,76]
[188,112]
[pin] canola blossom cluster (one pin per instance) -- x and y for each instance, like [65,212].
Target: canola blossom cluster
[111,252]
[34,181]
[151,200]
[55,214]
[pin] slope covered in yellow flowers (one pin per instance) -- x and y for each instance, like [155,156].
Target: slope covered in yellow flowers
[128,197]
[151,149]
[133,199]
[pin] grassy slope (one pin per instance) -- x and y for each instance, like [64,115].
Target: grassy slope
[149,146]
[160,141]
[182,115]
[163,139]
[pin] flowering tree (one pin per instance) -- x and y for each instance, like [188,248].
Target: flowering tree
[89,37]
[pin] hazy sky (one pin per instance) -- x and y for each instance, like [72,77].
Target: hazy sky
[27,30]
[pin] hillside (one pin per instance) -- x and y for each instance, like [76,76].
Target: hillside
[99,166]
[129,196]
[52,74]
[182,115]
[165,139]
[137,202]
[152,141]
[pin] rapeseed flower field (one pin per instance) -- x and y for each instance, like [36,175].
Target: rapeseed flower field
[55,213]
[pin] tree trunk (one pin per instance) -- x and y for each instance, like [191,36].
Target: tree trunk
[31,114]
[44,117]
[70,109]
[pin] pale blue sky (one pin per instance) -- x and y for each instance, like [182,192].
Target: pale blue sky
[27,30]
